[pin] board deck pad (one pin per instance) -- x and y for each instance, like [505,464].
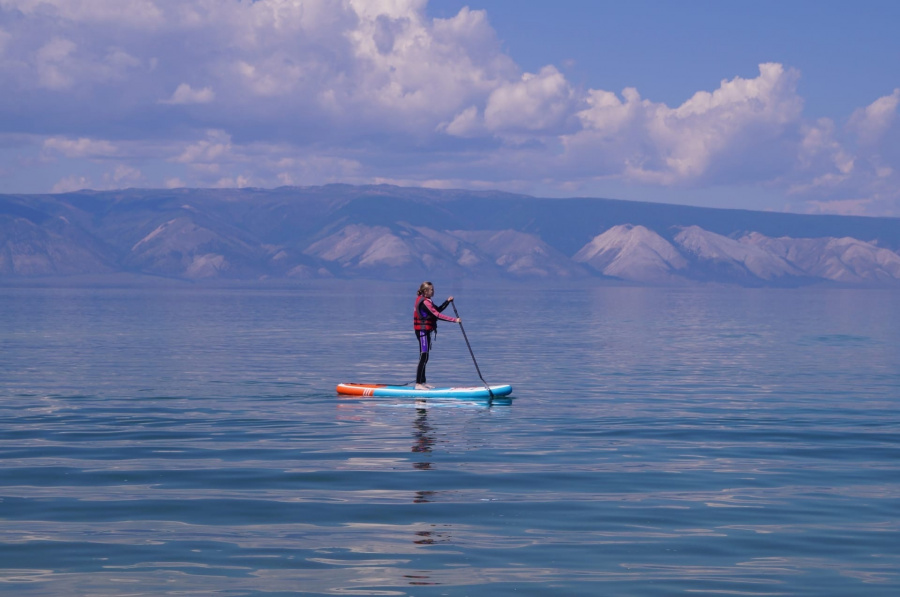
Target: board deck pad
[371,389]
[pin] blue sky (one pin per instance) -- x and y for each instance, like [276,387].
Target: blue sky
[787,106]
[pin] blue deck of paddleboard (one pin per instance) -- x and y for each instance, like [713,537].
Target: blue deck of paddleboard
[451,392]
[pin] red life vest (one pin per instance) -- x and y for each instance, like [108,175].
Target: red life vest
[423,319]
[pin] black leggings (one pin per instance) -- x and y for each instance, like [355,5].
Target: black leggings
[424,348]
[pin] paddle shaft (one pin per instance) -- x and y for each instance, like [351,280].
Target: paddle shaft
[466,338]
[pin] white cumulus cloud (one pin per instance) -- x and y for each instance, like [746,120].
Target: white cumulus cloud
[743,120]
[536,102]
[871,123]
[123,175]
[185,94]
[210,151]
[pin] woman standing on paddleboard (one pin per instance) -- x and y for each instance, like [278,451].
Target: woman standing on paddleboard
[425,318]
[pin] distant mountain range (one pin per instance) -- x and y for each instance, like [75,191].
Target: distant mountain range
[388,232]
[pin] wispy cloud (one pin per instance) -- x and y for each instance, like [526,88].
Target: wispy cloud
[82,147]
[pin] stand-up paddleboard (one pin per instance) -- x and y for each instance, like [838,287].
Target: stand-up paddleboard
[372,389]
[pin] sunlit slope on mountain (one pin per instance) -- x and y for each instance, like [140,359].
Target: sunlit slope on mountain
[715,256]
[403,249]
[182,248]
[839,259]
[521,254]
[633,253]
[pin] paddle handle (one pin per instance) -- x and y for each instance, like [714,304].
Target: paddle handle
[466,338]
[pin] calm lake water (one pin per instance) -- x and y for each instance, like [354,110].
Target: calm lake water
[659,442]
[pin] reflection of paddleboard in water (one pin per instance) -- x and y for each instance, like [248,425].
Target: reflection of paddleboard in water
[372,389]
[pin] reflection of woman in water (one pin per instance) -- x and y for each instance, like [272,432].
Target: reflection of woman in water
[425,318]
[423,442]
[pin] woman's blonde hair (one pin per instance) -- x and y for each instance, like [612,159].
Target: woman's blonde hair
[424,287]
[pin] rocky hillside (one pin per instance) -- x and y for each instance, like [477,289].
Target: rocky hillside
[390,232]
[641,255]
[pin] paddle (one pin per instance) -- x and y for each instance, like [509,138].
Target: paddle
[470,351]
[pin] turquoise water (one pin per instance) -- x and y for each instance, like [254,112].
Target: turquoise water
[659,442]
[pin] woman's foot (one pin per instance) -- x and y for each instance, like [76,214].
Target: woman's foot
[424,386]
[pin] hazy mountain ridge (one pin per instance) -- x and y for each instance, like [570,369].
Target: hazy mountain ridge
[392,232]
